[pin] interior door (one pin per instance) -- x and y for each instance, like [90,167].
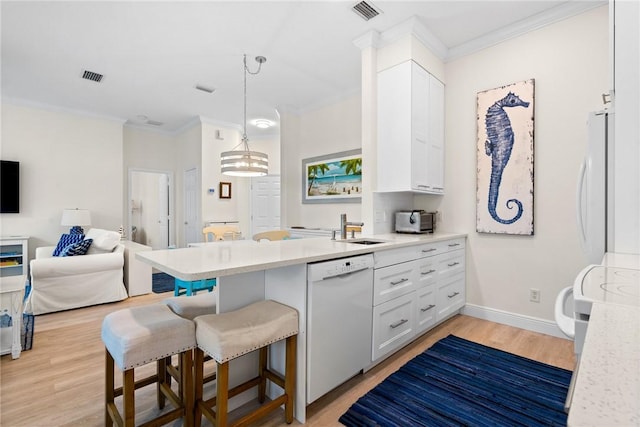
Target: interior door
[192,226]
[265,203]
[163,211]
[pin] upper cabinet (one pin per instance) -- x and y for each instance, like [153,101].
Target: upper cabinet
[410,130]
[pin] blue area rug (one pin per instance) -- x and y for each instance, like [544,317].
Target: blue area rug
[458,382]
[28,320]
[162,282]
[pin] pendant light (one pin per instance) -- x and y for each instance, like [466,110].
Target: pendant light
[244,162]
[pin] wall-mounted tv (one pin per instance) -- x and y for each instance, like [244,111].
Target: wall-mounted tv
[9,186]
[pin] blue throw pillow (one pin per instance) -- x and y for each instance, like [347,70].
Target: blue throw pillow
[79,248]
[66,240]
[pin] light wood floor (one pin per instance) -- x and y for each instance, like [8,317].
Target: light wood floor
[60,382]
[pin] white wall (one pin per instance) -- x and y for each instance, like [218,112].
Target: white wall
[327,130]
[147,151]
[568,61]
[66,160]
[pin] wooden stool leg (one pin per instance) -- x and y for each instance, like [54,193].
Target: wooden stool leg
[186,386]
[290,377]
[262,367]
[222,398]
[161,373]
[128,402]
[198,385]
[109,388]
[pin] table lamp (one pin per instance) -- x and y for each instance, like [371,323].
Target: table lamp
[76,218]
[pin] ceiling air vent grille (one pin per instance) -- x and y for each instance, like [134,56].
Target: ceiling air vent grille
[154,123]
[205,88]
[90,75]
[365,10]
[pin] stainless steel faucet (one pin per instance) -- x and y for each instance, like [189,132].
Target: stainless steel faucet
[344,224]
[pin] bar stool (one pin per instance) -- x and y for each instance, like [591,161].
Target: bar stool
[137,336]
[190,308]
[191,288]
[227,336]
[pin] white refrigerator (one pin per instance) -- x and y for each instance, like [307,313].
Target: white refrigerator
[594,186]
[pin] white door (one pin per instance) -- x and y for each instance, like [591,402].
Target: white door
[192,226]
[265,203]
[163,211]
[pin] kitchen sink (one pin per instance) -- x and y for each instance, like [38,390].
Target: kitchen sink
[364,241]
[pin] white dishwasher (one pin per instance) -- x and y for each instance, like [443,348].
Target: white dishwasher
[340,310]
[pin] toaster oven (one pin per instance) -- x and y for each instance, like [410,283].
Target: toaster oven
[416,221]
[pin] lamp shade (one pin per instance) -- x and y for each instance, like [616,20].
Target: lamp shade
[76,217]
[244,163]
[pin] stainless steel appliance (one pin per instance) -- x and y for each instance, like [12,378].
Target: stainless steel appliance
[339,322]
[416,221]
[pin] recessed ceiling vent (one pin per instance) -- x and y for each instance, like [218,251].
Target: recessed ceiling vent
[154,123]
[205,88]
[366,10]
[90,75]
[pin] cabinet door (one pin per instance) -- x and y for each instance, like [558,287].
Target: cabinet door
[394,128]
[393,324]
[425,308]
[435,142]
[419,128]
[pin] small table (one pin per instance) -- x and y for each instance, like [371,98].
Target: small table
[12,288]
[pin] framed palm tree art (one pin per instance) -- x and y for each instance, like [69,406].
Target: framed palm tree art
[333,178]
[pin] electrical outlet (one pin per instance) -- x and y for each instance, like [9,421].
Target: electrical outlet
[534,295]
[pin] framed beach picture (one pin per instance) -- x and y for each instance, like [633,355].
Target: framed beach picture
[334,178]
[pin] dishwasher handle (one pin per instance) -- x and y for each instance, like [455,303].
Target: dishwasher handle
[346,274]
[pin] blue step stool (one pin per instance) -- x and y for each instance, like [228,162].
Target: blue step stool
[191,288]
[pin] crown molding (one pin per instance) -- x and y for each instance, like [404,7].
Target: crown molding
[21,102]
[414,27]
[367,40]
[542,19]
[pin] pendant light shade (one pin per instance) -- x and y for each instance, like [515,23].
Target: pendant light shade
[244,162]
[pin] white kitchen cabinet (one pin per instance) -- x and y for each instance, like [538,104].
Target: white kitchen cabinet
[393,281]
[393,324]
[415,288]
[410,130]
[451,283]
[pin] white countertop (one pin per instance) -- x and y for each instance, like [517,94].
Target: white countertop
[607,389]
[226,258]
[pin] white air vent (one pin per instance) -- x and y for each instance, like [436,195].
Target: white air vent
[205,88]
[154,123]
[366,10]
[90,75]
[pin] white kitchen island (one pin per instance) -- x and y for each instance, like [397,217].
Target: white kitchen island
[249,271]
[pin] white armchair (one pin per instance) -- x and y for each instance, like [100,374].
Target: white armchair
[63,283]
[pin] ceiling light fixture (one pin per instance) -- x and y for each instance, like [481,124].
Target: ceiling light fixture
[262,123]
[245,162]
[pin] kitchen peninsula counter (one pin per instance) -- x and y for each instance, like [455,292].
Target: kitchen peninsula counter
[224,258]
[247,271]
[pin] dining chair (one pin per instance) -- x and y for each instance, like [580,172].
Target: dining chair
[272,235]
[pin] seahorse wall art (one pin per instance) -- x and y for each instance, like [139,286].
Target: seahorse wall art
[503,135]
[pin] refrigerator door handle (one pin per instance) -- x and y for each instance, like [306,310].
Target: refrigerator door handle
[579,211]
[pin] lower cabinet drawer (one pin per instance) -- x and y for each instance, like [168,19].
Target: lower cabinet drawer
[450,295]
[393,281]
[393,324]
[425,308]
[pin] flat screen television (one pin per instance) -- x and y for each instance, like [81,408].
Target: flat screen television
[9,186]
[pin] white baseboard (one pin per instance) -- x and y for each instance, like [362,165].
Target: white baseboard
[512,319]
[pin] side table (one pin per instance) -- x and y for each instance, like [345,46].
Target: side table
[11,294]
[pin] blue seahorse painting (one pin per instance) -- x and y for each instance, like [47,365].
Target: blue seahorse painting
[498,146]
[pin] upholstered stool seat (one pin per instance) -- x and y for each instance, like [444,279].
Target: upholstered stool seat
[190,308]
[227,336]
[137,336]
